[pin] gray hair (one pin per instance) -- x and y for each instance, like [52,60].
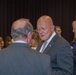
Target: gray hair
[21,32]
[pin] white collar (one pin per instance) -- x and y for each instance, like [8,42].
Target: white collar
[48,41]
[19,41]
[51,37]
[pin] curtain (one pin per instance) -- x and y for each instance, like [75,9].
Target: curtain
[63,12]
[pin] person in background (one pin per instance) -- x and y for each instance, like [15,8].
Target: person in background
[73,45]
[1,43]
[8,41]
[55,46]
[73,42]
[35,40]
[18,58]
[58,30]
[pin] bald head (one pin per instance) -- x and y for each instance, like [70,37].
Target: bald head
[45,19]
[21,28]
[20,23]
[45,27]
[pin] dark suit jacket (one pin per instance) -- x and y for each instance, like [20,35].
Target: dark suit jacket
[61,56]
[19,59]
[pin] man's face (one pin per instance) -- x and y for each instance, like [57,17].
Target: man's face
[58,30]
[44,30]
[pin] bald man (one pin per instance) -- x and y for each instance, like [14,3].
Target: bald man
[18,58]
[56,47]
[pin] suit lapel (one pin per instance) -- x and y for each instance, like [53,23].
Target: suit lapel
[38,48]
[50,45]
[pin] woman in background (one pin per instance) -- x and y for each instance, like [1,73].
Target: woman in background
[8,41]
[73,46]
[73,43]
[35,40]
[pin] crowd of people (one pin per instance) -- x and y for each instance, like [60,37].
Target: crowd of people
[38,52]
[6,42]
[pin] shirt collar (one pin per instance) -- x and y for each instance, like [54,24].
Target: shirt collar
[19,41]
[51,37]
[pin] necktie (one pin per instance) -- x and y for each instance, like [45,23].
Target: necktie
[43,47]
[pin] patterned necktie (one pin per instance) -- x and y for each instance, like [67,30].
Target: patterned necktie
[43,47]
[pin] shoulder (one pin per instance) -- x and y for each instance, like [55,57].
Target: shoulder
[63,45]
[62,41]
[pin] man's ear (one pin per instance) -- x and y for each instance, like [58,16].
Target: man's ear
[29,37]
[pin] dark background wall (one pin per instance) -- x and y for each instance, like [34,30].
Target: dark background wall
[63,12]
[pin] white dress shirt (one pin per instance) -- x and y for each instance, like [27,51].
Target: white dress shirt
[19,41]
[48,41]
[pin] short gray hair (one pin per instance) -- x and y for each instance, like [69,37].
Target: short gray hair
[21,32]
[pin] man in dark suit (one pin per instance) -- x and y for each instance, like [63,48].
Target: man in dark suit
[18,58]
[56,47]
